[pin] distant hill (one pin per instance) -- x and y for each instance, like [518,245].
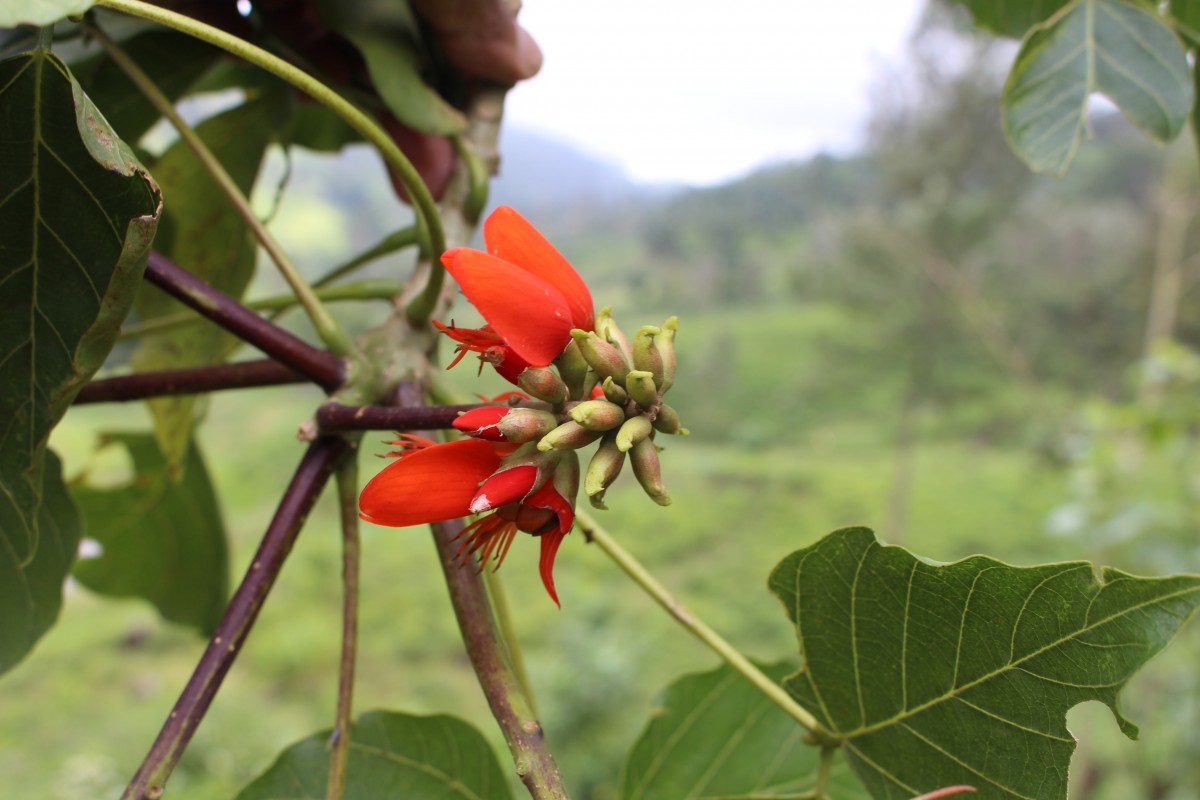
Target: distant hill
[551,180]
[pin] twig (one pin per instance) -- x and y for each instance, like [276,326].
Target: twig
[333,417]
[277,304]
[486,648]
[324,369]
[339,745]
[193,380]
[696,627]
[314,470]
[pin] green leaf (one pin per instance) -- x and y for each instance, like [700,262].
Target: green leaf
[715,735]
[77,215]
[203,234]
[31,591]
[1011,19]
[174,60]
[1111,47]
[162,540]
[40,12]
[391,755]
[1186,14]
[395,68]
[963,673]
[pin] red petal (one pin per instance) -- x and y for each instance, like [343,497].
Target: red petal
[504,487]
[513,238]
[428,485]
[480,423]
[550,543]
[532,316]
[548,497]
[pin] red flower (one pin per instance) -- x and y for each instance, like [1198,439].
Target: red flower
[434,483]
[529,294]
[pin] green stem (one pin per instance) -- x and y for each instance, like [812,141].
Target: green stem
[422,200]
[402,238]
[359,290]
[701,631]
[347,482]
[327,327]
[824,770]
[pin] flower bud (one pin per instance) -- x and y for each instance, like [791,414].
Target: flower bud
[598,415]
[643,457]
[544,384]
[573,370]
[667,421]
[607,328]
[601,356]
[633,431]
[641,388]
[615,392]
[568,436]
[645,352]
[603,469]
[526,424]
[665,343]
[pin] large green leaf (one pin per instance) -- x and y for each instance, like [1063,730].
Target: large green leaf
[1009,18]
[31,591]
[1111,47]
[40,12]
[202,233]
[174,60]
[715,735]
[161,539]
[933,675]
[77,215]
[391,755]
[395,69]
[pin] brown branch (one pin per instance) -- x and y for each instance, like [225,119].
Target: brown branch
[311,475]
[334,417]
[193,380]
[493,668]
[326,370]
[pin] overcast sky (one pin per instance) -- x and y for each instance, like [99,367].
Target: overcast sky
[677,90]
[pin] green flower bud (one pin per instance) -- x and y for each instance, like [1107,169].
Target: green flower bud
[573,370]
[645,352]
[603,357]
[607,328]
[615,392]
[603,469]
[598,415]
[643,457]
[633,431]
[568,436]
[665,343]
[641,388]
[526,424]
[544,384]
[667,421]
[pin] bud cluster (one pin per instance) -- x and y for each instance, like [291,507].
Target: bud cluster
[604,387]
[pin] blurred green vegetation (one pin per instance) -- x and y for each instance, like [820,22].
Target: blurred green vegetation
[923,339]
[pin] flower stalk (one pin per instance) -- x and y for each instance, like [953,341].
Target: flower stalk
[695,626]
[421,198]
[339,744]
[326,326]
